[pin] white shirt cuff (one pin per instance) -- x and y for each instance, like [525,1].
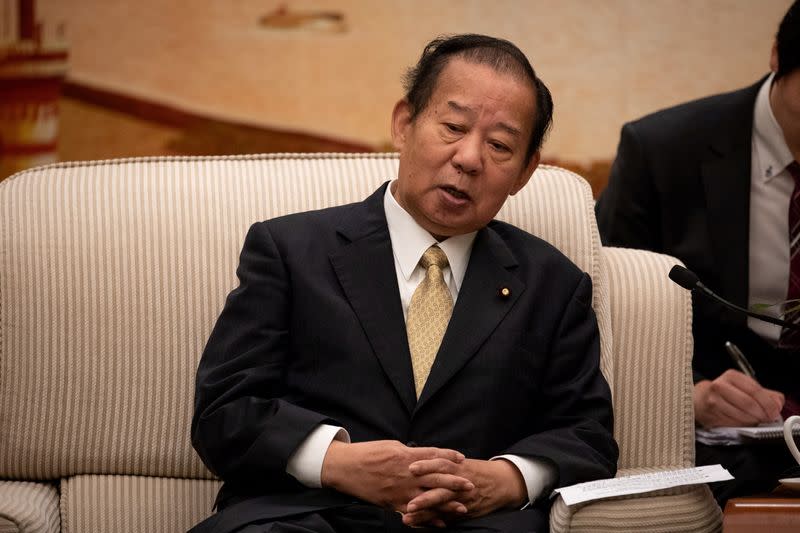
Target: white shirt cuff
[305,464]
[536,473]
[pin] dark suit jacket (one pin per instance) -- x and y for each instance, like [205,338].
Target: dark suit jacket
[315,334]
[680,185]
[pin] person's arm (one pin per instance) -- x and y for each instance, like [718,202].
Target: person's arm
[538,475]
[575,432]
[628,212]
[242,427]
[305,463]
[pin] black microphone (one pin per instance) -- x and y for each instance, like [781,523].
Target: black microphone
[689,280]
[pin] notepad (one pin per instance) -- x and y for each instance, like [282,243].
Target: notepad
[729,436]
[766,432]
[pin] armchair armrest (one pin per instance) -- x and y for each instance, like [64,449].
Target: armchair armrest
[651,323]
[27,507]
[670,510]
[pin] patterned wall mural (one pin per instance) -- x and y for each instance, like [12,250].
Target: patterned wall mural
[94,79]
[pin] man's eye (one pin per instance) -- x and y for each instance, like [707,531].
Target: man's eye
[500,147]
[452,127]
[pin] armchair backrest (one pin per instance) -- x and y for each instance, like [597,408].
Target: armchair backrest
[112,274]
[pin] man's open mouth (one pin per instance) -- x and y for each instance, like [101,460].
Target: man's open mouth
[456,193]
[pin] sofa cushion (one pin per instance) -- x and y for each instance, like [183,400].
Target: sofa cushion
[134,503]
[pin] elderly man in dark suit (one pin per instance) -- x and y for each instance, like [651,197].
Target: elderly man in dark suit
[367,375]
[711,182]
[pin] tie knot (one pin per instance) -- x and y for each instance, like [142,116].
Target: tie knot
[433,256]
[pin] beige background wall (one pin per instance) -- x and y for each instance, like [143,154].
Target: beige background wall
[606,61]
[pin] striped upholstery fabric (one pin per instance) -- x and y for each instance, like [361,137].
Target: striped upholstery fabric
[688,509]
[133,504]
[113,273]
[652,402]
[653,384]
[27,507]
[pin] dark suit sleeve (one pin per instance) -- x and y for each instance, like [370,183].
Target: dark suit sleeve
[628,209]
[242,427]
[576,432]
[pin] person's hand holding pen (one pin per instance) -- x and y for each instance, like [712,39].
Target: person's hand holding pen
[735,398]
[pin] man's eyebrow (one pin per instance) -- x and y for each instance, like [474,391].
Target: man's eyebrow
[460,108]
[511,130]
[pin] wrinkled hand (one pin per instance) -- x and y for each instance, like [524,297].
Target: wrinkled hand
[378,472]
[497,485]
[734,399]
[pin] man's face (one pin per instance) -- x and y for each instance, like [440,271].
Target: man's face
[463,155]
[784,98]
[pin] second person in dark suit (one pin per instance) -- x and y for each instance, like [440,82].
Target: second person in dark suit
[709,182]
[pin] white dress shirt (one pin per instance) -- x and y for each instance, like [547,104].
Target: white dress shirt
[771,188]
[409,242]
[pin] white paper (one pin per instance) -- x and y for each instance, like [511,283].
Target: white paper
[620,486]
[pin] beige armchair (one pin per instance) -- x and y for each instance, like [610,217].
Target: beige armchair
[113,272]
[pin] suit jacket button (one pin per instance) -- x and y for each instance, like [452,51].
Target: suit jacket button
[411,444]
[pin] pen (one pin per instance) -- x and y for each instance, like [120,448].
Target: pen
[740,360]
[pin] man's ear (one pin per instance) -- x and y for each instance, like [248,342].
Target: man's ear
[527,172]
[401,121]
[773,57]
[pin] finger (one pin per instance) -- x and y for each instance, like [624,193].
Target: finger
[717,411]
[445,481]
[430,466]
[436,499]
[729,414]
[769,400]
[769,403]
[452,508]
[440,453]
[749,400]
[423,518]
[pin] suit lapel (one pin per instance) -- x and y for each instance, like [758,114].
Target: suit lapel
[366,272]
[725,172]
[479,309]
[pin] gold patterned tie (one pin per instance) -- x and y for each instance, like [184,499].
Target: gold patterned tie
[428,315]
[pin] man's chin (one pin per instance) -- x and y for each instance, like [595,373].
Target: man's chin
[440,232]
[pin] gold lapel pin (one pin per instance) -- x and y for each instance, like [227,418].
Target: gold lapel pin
[505,292]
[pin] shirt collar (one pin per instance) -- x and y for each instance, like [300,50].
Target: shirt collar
[768,141]
[410,240]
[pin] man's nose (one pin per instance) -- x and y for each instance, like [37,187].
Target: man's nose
[467,157]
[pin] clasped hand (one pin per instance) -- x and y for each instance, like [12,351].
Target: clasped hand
[429,486]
